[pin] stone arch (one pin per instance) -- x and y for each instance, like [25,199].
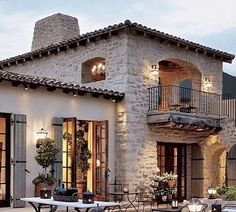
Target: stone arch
[215,154]
[180,70]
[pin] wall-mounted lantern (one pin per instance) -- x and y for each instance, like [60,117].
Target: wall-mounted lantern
[208,82]
[154,70]
[41,134]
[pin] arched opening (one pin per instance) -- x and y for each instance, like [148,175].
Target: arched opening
[94,70]
[174,72]
[215,155]
[179,86]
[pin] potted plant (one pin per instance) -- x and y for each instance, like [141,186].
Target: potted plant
[164,194]
[170,178]
[45,157]
[155,180]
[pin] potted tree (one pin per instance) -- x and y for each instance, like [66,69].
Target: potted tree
[45,157]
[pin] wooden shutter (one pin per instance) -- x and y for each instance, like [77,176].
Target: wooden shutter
[231,166]
[57,124]
[197,171]
[19,175]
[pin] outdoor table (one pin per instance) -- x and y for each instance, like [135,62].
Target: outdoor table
[34,201]
[127,194]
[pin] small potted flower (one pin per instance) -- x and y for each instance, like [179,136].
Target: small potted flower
[170,178]
[155,180]
[164,194]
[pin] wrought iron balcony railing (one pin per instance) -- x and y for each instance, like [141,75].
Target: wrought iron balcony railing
[175,98]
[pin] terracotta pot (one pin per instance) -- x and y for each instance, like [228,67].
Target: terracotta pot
[164,198]
[171,183]
[42,186]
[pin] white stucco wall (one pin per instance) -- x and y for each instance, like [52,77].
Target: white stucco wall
[40,106]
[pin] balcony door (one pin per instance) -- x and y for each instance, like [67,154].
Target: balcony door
[171,157]
[4,160]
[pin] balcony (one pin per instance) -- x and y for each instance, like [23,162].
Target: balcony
[187,109]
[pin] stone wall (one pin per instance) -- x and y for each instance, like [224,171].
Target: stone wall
[138,150]
[128,60]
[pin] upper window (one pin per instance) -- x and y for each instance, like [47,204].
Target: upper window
[94,70]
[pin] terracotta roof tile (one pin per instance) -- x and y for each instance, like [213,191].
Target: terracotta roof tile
[34,82]
[71,43]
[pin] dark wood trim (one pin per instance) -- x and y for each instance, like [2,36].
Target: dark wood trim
[7,201]
[73,148]
[105,163]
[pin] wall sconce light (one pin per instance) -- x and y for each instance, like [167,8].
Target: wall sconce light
[74,94]
[208,82]
[154,70]
[41,134]
[26,88]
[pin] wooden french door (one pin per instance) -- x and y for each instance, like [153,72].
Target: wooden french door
[100,159]
[4,160]
[171,157]
[95,134]
[69,153]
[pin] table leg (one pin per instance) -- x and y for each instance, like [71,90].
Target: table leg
[131,203]
[113,208]
[38,209]
[34,206]
[54,208]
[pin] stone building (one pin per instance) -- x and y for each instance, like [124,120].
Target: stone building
[150,102]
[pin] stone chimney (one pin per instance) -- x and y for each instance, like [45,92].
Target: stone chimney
[54,29]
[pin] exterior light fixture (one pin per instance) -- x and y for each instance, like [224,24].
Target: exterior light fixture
[208,82]
[41,134]
[196,206]
[98,69]
[154,70]
[26,88]
[211,191]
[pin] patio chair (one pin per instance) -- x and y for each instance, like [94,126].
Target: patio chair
[145,196]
